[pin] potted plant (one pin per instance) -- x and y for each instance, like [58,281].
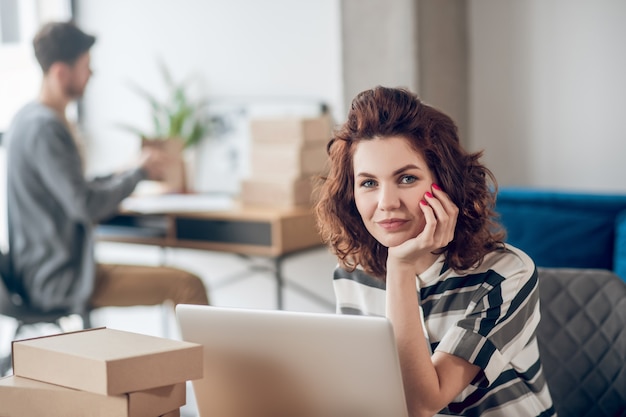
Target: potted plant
[178,123]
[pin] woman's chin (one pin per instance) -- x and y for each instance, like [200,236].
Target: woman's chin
[392,241]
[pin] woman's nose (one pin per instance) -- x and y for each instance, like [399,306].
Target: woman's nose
[388,198]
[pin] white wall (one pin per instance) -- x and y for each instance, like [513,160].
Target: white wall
[20,75]
[379,45]
[271,49]
[548,91]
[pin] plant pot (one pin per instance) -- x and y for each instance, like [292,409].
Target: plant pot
[175,174]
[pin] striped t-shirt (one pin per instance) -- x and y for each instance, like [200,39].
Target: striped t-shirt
[487,316]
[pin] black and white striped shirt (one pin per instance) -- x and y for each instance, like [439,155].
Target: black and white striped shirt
[487,316]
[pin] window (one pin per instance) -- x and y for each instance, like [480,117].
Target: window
[20,75]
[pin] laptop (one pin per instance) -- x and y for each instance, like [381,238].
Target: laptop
[267,363]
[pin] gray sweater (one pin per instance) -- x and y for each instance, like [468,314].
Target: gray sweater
[52,209]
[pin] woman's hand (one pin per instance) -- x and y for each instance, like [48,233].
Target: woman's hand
[440,214]
[430,382]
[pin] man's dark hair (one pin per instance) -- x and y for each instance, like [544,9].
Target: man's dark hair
[60,42]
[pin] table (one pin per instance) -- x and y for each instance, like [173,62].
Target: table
[272,232]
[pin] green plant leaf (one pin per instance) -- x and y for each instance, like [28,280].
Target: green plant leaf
[197,132]
[177,121]
[178,115]
[159,129]
[167,76]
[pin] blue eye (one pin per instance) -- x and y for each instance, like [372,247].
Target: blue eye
[368,183]
[408,179]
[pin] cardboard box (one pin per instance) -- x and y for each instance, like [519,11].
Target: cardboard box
[107,361]
[23,397]
[279,192]
[174,413]
[296,130]
[287,160]
[156,401]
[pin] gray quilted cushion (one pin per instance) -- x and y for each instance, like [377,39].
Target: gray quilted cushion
[582,340]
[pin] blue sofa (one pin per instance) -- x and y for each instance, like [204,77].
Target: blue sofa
[566,229]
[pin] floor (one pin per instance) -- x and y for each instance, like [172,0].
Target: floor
[232,281]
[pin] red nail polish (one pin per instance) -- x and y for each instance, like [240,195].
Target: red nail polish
[423,203]
[428,194]
[436,187]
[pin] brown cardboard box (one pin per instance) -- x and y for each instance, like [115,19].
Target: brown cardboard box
[23,397]
[278,192]
[107,361]
[155,401]
[296,130]
[287,160]
[174,413]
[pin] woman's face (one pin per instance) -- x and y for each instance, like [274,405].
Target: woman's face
[390,179]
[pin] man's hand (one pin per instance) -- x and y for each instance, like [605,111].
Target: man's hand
[154,162]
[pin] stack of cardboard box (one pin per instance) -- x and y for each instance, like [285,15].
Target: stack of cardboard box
[99,372]
[286,154]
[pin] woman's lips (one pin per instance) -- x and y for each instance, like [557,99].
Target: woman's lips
[392,224]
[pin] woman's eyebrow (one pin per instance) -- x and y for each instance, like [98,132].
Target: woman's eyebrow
[406,168]
[396,172]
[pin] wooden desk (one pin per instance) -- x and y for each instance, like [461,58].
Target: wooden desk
[275,233]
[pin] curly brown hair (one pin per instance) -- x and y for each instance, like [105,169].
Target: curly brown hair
[384,112]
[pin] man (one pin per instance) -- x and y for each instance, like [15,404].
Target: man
[52,207]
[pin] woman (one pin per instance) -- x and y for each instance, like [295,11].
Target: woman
[409,215]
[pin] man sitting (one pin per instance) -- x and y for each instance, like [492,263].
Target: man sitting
[52,207]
